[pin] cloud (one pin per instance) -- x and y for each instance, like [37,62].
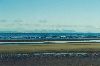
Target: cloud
[3,20]
[43,21]
[11,20]
[24,26]
[18,20]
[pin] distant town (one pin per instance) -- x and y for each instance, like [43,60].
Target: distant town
[49,36]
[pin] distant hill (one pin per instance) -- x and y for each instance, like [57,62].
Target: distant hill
[41,31]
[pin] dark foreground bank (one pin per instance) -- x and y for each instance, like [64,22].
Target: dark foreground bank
[50,59]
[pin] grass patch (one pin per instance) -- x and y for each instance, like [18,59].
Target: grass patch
[68,47]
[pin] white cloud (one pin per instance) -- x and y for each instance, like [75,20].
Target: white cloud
[30,27]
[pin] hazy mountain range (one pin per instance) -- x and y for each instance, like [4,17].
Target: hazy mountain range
[46,28]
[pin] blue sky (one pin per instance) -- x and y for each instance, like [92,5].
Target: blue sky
[30,15]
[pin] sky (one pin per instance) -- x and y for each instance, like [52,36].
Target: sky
[30,15]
